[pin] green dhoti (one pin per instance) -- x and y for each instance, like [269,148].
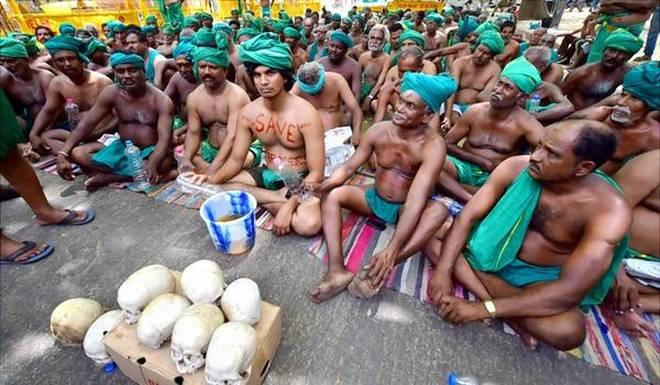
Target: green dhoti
[469,173]
[10,132]
[386,211]
[365,89]
[208,152]
[113,156]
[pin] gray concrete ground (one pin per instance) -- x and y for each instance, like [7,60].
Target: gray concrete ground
[392,339]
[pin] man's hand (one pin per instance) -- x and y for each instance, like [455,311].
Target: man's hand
[355,140]
[626,293]
[179,135]
[441,285]
[152,171]
[282,222]
[195,178]
[185,166]
[38,144]
[380,268]
[64,168]
[366,104]
[460,311]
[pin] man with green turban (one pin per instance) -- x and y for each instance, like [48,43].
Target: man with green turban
[29,41]
[205,18]
[182,83]
[154,61]
[150,32]
[335,21]
[492,40]
[467,25]
[357,30]
[97,52]
[191,22]
[245,34]
[292,37]
[144,115]
[411,37]
[172,13]
[235,14]
[116,29]
[67,43]
[517,239]
[337,61]
[291,133]
[67,29]
[204,38]
[152,20]
[224,27]
[510,128]
[398,197]
[434,38]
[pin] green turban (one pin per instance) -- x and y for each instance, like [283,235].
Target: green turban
[184,49]
[67,29]
[224,27]
[642,82]
[151,19]
[359,18]
[448,11]
[67,43]
[168,30]
[434,17]
[465,26]
[29,41]
[120,58]
[204,38]
[13,48]
[116,26]
[433,89]
[292,32]
[413,36]
[487,26]
[341,37]
[215,56]
[283,15]
[235,12]
[346,20]
[204,16]
[251,32]
[250,20]
[189,21]
[265,49]
[492,40]
[149,30]
[313,89]
[221,41]
[335,17]
[523,74]
[95,45]
[623,40]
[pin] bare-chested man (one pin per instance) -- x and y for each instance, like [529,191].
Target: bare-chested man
[144,117]
[292,37]
[410,60]
[434,37]
[410,157]
[291,133]
[554,73]
[338,62]
[356,30]
[639,181]
[412,38]
[308,28]
[374,64]
[213,109]
[476,74]
[634,117]
[328,92]
[117,35]
[315,50]
[77,84]
[591,83]
[167,44]
[539,239]
[179,87]
[511,46]
[99,60]
[493,131]
[136,42]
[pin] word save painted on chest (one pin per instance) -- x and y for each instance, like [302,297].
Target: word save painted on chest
[280,128]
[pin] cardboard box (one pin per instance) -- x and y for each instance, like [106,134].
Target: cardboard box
[153,367]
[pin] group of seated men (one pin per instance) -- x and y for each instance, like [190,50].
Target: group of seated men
[559,174]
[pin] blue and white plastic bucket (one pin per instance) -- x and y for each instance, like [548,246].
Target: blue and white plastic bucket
[235,236]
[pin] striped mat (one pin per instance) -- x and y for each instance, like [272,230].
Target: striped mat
[605,344]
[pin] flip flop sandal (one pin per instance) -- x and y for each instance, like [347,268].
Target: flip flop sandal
[27,246]
[70,219]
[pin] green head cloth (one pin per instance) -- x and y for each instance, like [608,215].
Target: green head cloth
[120,58]
[407,24]
[265,49]
[487,26]
[623,40]
[168,30]
[347,20]
[67,43]
[29,41]
[221,40]
[190,21]
[292,33]
[67,29]
[341,37]
[149,30]
[283,15]
[184,49]
[151,19]
[204,16]
[492,40]
[434,17]
[335,17]
[278,25]
[224,27]
[204,38]
[359,18]
[313,89]
[116,26]
[13,48]
[254,22]
[95,45]
[448,11]
[433,89]
[251,32]
[523,74]
[642,82]
[465,26]
[413,36]
[215,56]
[235,12]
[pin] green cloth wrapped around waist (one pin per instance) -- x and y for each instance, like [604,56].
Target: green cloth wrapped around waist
[10,132]
[113,156]
[632,253]
[469,173]
[494,243]
[386,211]
[177,122]
[365,89]
[208,152]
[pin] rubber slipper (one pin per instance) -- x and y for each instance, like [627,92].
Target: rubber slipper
[27,246]
[70,219]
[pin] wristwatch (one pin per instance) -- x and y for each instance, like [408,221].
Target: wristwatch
[490,308]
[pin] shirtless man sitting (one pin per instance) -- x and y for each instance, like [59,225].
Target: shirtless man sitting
[434,36]
[463,47]
[410,157]
[292,37]
[511,46]
[493,131]
[145,118]
[179,87]
[410,60]
[75,83]
[554,73]
[338,62]
[374,65]
[639,181]
[539,239]
[167,44]
[214,106]
[136,42]
[328,92]
[591,83]
[412,38]
[291,133]
[634,117]
[476,74]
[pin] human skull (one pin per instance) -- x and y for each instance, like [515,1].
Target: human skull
[93,342]
[241,301]
[70,320]
[191,335]
[141,287]
[230,354]
[203,281]
[157,320]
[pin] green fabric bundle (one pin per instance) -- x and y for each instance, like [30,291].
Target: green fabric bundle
[224,27]
[190,21]
[622,40]
[29,41]
[413,36]
[184,49]
[265,49]
[120,58]
[433,89]
[465,26]
[250,20]
[292,33]
[67,43]
[642,82]
[251,32]
[492,40]
[341,37]
[95,45]
[12,48]
[67,29]
[523,74]
[434,17]
[204,38]
[487,26]
[215,56]
[168,30]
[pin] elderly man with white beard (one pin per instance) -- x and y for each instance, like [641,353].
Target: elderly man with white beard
[374,65]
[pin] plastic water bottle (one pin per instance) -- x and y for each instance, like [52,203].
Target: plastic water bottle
[137,167]
[534,103]
[292,180]
[454,379]
[184,184]
[72,112]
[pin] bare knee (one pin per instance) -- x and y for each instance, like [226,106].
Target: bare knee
[566,333]
[437,211]
[307,220]
[332,199]
[432,250]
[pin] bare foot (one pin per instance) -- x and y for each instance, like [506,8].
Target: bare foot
[99,180]
[333,283]
[360,286]
[633,324]
[530,342]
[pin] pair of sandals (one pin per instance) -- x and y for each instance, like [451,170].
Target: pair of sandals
[71,219]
